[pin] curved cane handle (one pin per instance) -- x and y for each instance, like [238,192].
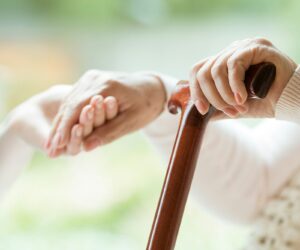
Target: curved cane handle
[258,81]
[179,176]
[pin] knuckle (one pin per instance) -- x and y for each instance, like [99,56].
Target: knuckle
[231,63]
[203,76]
[216,70]
[262,40]
[197,66]
[112,83]
[256,49]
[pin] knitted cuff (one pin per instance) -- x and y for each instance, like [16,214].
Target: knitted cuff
[288,105]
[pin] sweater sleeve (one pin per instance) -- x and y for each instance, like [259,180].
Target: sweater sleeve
[15,154]
[288,105]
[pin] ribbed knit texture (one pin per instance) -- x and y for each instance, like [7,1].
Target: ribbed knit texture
[279,226]
[287,107]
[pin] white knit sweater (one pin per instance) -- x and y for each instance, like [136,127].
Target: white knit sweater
[243,174]
[278,226]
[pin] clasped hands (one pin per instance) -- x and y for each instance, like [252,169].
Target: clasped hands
[103,106]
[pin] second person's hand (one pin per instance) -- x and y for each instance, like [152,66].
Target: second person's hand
[140,97]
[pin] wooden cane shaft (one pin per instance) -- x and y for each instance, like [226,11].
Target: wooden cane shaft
[179,176]
[178,180]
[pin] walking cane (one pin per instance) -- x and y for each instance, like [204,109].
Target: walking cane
[178,179]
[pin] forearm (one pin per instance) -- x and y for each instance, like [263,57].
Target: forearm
[239,169]
[227,169]
[15,154]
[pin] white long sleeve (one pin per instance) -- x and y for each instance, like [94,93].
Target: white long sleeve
[15,154]
[239,169]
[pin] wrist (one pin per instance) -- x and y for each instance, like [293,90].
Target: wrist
[11,122]
[284,73]
[287,107]
[8,127]
[155,89]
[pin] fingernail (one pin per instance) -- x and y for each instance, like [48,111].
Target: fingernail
[238,98]
[231,112]
[201,106]
[93,143]
[110,105]
[79,132]
[99,104]
[90,114]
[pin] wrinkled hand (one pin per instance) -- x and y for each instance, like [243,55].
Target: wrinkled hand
[219,80]
[140,98]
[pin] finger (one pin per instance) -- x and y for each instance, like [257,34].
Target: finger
[52,133]
[197,95]
[74,146]
[54,151]
[58,152]
[54,145]
[111,107]
[121,125]
[218,115]
[220,77]
[86,119]
[99,117]
[69,118]
[243,109]
[237,65]
[210,91]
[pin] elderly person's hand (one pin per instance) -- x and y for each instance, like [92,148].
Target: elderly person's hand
[219,80]
[140,99]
